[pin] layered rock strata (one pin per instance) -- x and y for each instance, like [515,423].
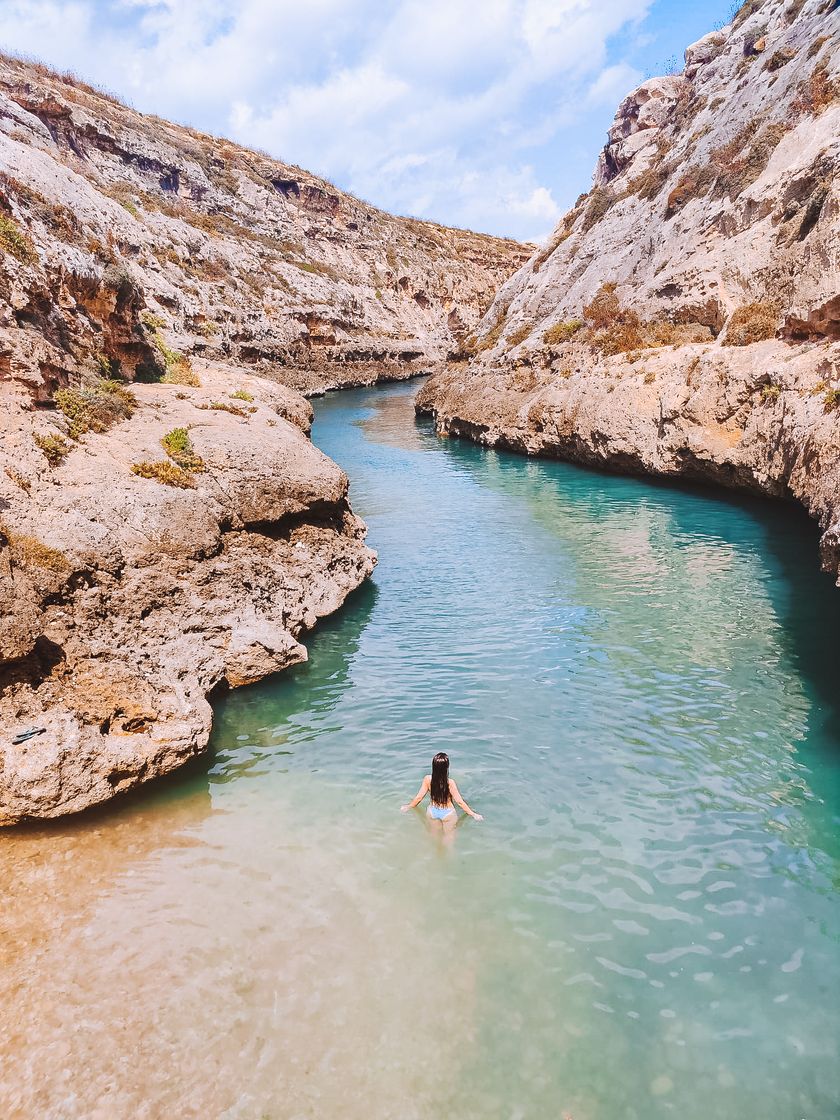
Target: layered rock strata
[684,318]
[239,257]
[166,526]
[189,546]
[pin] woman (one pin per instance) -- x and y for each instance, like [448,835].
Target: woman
[444,795]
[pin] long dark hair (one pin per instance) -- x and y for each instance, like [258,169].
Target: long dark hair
[440,779]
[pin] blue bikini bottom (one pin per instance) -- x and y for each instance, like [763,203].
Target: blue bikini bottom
[440,812]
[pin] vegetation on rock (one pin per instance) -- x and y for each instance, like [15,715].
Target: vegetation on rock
[97,407]
[754,322]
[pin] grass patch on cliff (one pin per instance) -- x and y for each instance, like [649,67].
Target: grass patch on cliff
[242,395]
[54,448]
[831,400]
[753,322]
[97,407]
[15,241]
[170,474]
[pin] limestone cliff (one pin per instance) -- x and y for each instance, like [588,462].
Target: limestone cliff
[166,526]
[684,318]
[238,257]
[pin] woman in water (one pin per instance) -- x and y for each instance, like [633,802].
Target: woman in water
[444,795]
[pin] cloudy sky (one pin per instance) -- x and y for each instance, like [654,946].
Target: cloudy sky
[487,114]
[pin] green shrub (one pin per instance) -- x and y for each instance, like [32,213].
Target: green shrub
[179,448]
[54,448]
[97,407]
[15,241]
[242,395]
[561,332]
[770,393]
[831,400]
[168,473]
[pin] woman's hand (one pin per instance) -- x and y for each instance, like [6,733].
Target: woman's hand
[477,817]
[404,808]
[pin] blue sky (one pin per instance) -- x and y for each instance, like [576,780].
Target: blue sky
[487,114]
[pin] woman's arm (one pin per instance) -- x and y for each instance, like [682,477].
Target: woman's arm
[455,794]
[421,793]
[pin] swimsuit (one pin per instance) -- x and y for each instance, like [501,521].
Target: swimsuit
[440,812]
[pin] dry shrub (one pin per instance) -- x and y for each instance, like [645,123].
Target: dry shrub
[778,59]
[831,400]
[29,552]
[649,184]
[600,201]
[770,393]
[97,407]
[649,377]
[54,448]
[817,45]
[693,183]
[519,335]
[729,169]
[817,92]
[754,322]
[168,473]
[223,406]
[747,9]
[604,308]
[61,222]
[562,332]
[613,329]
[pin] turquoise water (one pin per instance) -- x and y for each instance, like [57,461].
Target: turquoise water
[637,686]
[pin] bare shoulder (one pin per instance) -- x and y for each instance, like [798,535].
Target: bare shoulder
[453,784]
[427,781]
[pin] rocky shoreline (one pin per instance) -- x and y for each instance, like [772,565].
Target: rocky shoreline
[127,601]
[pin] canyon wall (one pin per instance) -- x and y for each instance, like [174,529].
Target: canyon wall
[684,317]
[166,526]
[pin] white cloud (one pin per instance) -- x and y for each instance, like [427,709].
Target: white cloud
[446,108]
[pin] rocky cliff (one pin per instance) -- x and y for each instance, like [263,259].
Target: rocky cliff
[684,318]
[166,526]
[238,257]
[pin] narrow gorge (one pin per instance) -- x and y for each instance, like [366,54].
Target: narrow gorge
[166,526]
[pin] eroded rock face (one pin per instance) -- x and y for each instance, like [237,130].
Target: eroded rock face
[239,257]
[125,601]
[180,266]
[683,318]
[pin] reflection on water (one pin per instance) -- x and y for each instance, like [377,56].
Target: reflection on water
[635,684]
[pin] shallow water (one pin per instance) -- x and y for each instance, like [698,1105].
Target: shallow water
[637,685]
